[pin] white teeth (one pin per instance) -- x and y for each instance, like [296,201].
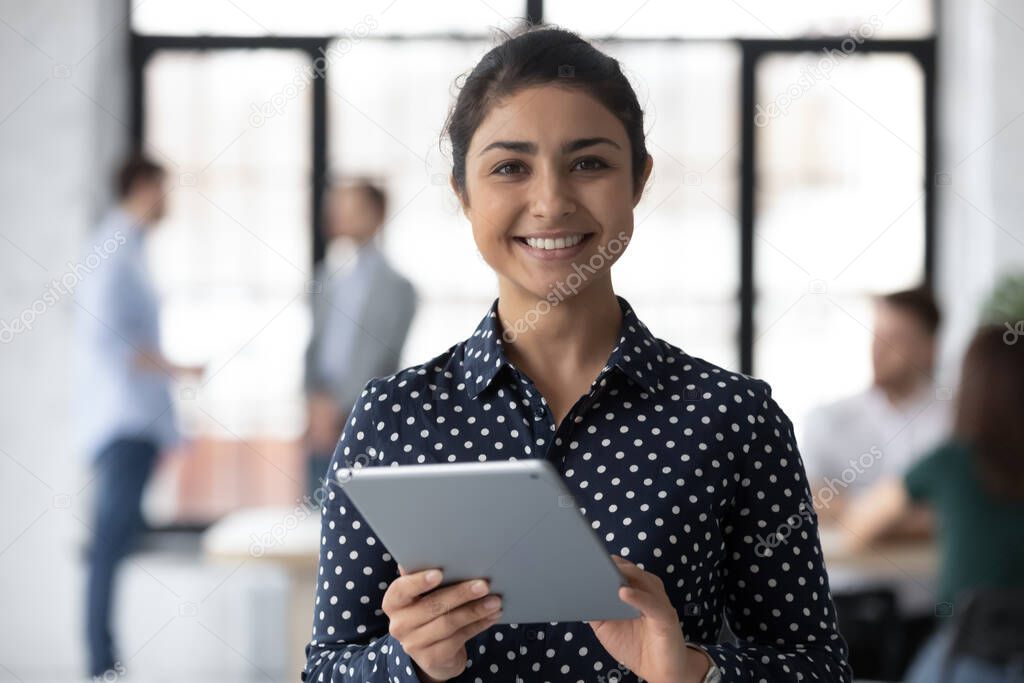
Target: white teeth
[560,243]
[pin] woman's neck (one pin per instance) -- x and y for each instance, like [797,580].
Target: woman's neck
[567,341]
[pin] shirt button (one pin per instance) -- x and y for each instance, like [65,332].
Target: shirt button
[539,412]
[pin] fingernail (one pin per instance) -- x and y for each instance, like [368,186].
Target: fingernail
[492,603]
[433,576]
[479,587]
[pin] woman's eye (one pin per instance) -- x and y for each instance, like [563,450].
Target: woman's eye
[514,165]
[597,164]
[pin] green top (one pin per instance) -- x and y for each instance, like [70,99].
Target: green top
[981,539]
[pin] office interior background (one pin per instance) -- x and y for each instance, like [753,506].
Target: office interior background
[787,191]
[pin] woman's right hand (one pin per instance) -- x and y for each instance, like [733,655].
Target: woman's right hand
[433,629]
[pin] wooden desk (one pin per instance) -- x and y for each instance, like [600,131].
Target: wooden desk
[910,568]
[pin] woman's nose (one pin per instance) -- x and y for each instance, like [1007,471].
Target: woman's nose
[552,196]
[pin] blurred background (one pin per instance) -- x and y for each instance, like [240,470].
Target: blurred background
[809,157]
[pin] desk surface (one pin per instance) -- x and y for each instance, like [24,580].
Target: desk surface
[285,535]
[292,535]
[918,558]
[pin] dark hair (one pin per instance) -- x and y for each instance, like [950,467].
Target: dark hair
[990,404]
[918,302]
[136,168]
[538,56]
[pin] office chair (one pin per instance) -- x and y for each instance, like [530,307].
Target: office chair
[869,621]
[990,627]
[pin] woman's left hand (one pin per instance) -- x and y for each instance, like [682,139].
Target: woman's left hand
[652,645]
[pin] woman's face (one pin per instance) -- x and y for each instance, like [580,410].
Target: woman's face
[550,190]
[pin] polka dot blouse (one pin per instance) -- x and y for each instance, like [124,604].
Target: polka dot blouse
[688,470]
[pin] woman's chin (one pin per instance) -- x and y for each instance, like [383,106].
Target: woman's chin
[553,290]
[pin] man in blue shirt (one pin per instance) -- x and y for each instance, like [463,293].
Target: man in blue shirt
[125,411]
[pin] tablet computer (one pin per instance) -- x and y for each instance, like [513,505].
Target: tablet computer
[512,522]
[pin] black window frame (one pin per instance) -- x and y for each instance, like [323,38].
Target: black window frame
[752,50]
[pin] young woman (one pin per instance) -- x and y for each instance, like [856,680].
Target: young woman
[683,468]
[975,485]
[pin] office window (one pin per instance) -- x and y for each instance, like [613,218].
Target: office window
[837,186]
[840,216]
[747,19]
[681,271]
[320,17]
[233,252]
[231,261]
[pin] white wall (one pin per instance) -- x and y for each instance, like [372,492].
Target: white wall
[63,126]
[57,142]
[981,141]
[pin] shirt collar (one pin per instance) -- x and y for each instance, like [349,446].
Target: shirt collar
[637,354]
[922,397]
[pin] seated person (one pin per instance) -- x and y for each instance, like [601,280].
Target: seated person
[878,433]
[975,485]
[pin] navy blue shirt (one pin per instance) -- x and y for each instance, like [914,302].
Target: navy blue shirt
[688,470]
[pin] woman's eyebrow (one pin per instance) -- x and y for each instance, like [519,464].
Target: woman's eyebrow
[531,148]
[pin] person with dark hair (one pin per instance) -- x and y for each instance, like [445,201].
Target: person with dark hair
[362,311]
[678,464]
[975,484]
[140,181]
[862,439]
[125,412]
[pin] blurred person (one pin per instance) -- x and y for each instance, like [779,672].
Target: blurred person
[124,406]
[362,312]
[881,431]
[975,484]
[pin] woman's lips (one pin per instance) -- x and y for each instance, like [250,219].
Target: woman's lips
[553,254]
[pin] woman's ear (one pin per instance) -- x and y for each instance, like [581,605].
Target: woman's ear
[642,181]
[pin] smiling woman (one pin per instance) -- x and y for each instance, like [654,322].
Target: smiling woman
[677,463]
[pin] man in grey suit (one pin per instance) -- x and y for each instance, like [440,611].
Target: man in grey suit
[362,310]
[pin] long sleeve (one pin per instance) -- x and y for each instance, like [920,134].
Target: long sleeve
[777,594]
[350,639]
